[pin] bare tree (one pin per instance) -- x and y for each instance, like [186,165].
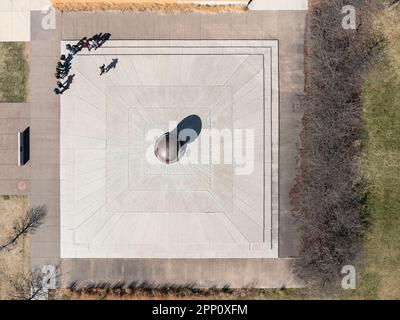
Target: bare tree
[28,223]
[34,285]
[394,3]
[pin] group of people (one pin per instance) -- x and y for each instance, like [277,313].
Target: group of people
[62,71]
[64,65]
[61,87]
[92,43]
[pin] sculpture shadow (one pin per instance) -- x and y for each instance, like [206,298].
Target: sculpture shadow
[188,129]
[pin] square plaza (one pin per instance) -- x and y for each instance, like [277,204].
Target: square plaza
[117,203]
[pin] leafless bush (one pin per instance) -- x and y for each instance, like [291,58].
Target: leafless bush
[328,197]
[136,288]
[32,285]
[28,223]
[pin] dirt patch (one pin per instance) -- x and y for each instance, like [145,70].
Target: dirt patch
[163,6]
[15,260]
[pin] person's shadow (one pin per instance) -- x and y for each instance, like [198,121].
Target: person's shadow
[69,58]
[112,65]
[188,129]
[68,83]
[70,79]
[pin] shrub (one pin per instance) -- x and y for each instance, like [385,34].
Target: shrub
[328,197]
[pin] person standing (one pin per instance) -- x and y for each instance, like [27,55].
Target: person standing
[60,85]
[72,49]
[83,43]
[61,65]
[102,69]
[93,44]
[60,75]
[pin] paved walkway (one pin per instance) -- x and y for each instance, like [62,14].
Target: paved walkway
[45,133]
[237,273]
[15,14]
[278,5]
[14,118]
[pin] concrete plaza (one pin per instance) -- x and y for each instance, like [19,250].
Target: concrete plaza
[115,202]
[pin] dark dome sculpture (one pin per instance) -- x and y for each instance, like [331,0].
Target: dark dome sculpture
[171,146]
[168,149]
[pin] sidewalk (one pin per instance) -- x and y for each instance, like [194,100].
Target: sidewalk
[15,18]
[14,117]
[279,5]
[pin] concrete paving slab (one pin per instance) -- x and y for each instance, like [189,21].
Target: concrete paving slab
[14,118]
[204,273]
[161,70]
[6,25]
[15,18]
[45,149]
[278,5]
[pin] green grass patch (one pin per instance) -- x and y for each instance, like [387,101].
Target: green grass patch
[13,72]
[381,167]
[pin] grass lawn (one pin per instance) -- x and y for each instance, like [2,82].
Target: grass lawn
[379,278]
[381,165]
[13,72]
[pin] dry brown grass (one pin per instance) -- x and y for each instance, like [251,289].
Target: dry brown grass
[16,260]
[162,6]
[388,24]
